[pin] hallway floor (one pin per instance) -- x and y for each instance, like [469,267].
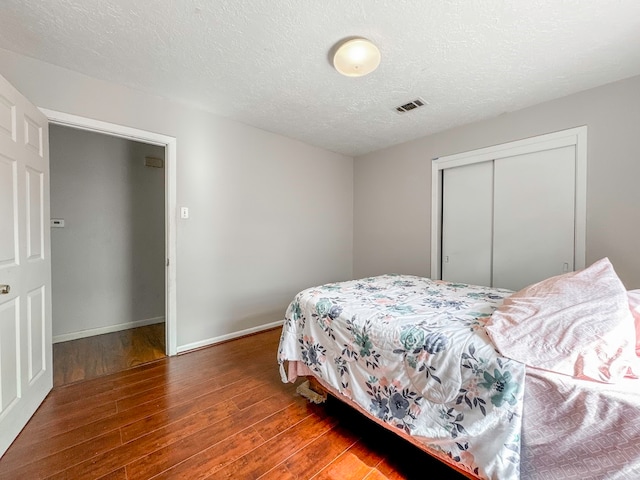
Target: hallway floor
[92,357]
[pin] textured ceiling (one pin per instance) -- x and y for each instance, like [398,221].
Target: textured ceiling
[266,62]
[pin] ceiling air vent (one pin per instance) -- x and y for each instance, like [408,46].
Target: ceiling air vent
[407,107]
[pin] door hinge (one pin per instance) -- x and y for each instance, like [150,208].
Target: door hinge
[167,262]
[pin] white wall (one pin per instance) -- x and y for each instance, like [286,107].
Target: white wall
[269,215]
[108,260]
[392,197]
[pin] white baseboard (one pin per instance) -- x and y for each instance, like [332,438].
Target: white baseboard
[230,336]
[111,328]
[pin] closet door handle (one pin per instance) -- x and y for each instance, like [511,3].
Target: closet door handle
[5,289]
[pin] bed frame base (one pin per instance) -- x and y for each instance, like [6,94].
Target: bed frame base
[312,390]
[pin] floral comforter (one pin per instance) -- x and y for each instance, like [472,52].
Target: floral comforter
[413,353]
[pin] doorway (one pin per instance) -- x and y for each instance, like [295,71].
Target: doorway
[107,253]
[145,316]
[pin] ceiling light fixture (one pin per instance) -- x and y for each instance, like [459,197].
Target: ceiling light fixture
[356,57]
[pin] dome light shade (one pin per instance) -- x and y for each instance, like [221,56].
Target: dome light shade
[356,57]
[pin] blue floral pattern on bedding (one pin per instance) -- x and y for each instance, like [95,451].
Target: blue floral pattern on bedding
[413,353]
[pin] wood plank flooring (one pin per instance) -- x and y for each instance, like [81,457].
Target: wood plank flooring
[91,357]
[218,412]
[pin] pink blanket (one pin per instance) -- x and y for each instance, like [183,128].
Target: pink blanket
[579,429]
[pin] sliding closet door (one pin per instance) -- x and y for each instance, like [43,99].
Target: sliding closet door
[466,223]
[534,217]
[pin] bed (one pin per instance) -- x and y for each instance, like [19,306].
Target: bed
[450,368]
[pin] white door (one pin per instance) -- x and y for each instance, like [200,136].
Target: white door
[25,264]
[467,216]
[534,217]
[539,208]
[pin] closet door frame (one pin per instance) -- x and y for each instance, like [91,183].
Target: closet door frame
[574,136]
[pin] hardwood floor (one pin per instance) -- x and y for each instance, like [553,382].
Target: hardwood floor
[219,412]
[91,357]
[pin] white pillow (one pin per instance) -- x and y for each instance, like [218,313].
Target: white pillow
[577,324]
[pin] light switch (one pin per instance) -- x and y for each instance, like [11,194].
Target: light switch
[184,212]
[57,223]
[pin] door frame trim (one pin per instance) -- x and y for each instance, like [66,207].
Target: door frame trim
[169,143]
[573,136]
